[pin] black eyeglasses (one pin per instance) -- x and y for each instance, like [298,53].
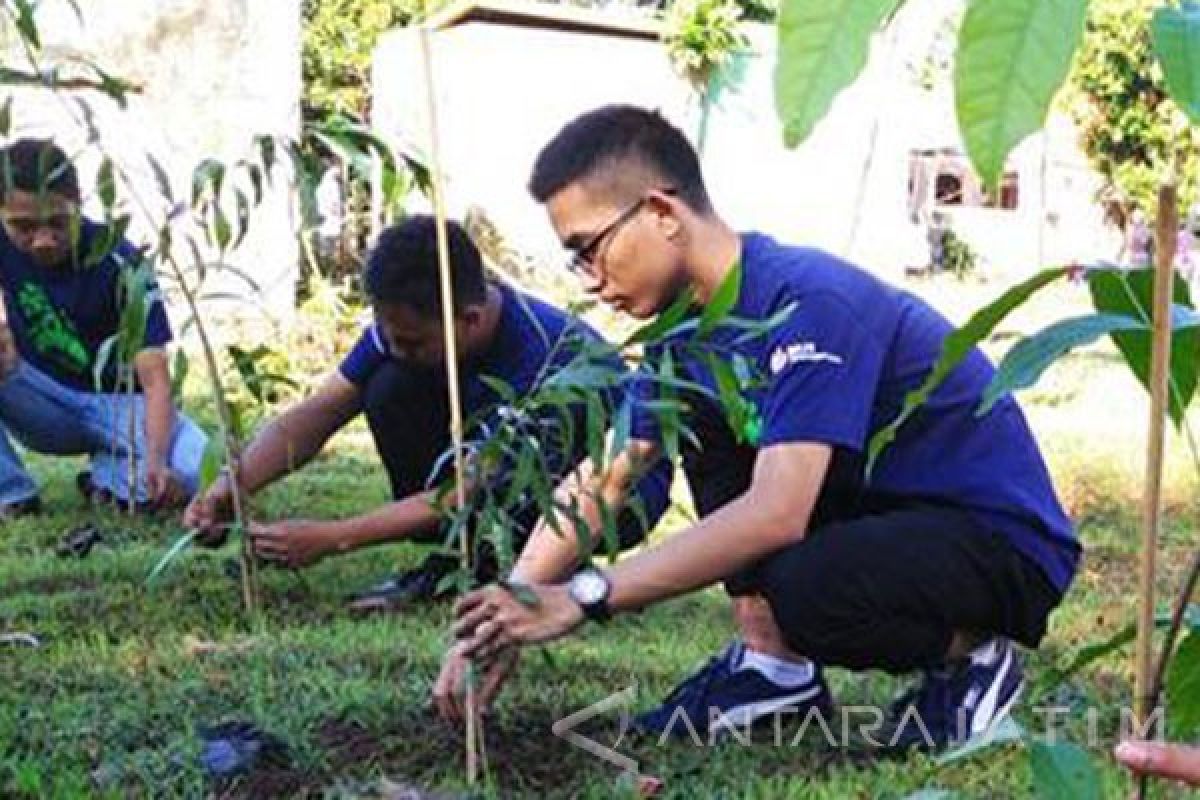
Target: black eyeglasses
[583,260]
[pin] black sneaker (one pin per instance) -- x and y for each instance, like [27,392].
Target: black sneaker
[960,701]
[722,696]
[420,585]
[21,508]
[93,495]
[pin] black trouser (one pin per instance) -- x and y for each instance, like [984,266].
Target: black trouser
[882,583]
[409,417]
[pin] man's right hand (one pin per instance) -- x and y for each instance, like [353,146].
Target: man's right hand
[209,512]
[449,691]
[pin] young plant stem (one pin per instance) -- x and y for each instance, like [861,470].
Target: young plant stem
[474,731]
[132,493]
[1160,365]
[249,574]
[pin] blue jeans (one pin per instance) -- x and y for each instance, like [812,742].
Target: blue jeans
[48,417]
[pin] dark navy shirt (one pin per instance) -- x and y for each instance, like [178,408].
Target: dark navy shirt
[61,316]
[837,370]
[532,339]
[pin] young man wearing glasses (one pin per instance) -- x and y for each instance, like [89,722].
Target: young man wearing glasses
[395,375]
[951,549]
[61,277]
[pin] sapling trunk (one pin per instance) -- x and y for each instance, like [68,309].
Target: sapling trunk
[473,724]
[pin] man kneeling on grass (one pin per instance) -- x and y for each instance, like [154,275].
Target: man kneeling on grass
[949,550]
[61,278]
[395,374]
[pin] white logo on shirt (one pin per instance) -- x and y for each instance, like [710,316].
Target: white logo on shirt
[797,353]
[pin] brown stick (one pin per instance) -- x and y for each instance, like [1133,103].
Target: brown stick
[456,423]
[1164,275]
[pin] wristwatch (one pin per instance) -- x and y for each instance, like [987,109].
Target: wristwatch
[590,589]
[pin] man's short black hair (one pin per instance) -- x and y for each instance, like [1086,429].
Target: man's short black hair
[615,138]
[402,267]
[37,166]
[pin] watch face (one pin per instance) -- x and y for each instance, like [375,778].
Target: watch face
[589,587]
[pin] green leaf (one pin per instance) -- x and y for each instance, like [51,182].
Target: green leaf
[956,347]
[106,185]
[822,48]
[104,357]
[1183,689]
[1132,294]
[6,116]
[722,301]
[26,24]
[242,204]
[1062,771]
[1007,730]
[665,323]
[161,179]
[222,230]
[1013,55]
[266,153]
[212,461]
[1176,36]
[179,371]
[1032,355]
[207,178]
[181,544]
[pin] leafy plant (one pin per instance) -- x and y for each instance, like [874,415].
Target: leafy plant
[1012,58]
[1131,126]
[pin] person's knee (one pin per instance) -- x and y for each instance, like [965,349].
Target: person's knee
[814,613]
[188,446]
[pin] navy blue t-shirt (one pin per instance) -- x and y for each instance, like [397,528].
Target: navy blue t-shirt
[60,317]
[532,338]
[837,370]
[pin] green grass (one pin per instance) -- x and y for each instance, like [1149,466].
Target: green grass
[111,703]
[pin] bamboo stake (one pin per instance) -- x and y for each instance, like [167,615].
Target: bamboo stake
[1168,224]
[456,424]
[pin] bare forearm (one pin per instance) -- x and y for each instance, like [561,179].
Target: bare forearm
[553,549]
[393,522]
[285,444]
[159,421]
[720,545]
[772,514]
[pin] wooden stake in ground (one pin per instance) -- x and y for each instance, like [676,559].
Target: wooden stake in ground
[1160,366]
[456,424]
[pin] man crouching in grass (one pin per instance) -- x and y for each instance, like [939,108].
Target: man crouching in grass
[951,550]
[395,375]
[61,278]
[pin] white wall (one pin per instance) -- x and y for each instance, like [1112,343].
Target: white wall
[504,90]
[212,74]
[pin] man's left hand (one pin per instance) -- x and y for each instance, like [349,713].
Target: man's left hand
[494,618]
[292,542]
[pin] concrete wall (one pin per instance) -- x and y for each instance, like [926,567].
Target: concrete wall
[504,89]
[212,74]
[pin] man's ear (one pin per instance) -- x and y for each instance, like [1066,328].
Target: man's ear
[667,209]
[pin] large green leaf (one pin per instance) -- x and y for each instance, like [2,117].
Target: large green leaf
[722,301]
[1005,731]
[1132,294]
[1013,55]
[955,348]
[1183,689]
[1062,771]
[822,48]
[1029,358]
[1176,36]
